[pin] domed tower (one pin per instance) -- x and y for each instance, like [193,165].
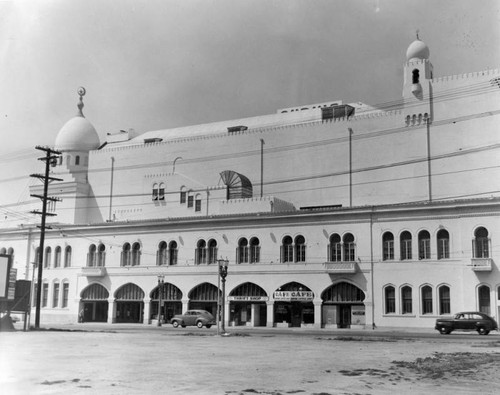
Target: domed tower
[75,140]
[417,89]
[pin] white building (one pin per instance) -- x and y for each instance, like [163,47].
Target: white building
[331,215]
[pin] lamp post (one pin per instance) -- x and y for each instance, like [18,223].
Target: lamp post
[161,277]
[223,263]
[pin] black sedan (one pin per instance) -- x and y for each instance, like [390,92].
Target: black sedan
[466,321]
[200,318]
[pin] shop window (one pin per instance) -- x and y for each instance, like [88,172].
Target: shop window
[484,299]
[349,248]
[161,254]
[426,299]
[480,244]
[388,246]
[443,244]
[136,254]
[125,256]
[405,245]
[55,295]
[201,252]
[406,300]
[424,245]
[254,250]
[65,295]
[287,250]
[242,252]
[57,257]
[390,300]
[335,248]
[212,251]
[48,257]
[300,249]
[444,300]
[67,256]
[172,253]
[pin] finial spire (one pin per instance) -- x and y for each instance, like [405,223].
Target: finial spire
[418,31]
[81,92]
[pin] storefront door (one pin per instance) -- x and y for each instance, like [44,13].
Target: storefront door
[344,316]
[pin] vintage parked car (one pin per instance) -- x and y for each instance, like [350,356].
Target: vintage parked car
[200,318]
[466,321]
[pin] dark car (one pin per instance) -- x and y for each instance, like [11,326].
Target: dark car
[466,321]
[200,318]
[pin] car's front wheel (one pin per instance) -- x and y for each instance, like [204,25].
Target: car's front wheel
[482,331]
[444,330]
[199,324]
[175,324]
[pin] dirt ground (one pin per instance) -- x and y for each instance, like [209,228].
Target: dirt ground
[198,362]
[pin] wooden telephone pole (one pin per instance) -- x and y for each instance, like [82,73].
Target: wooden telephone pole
[50,158]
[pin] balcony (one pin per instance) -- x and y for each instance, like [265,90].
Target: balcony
[340,267]
[481,264]
[95,271]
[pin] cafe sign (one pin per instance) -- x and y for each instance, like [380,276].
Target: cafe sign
[294,296]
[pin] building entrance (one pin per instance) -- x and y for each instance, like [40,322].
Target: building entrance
[171,302]
[342,306]
[204,297]
[247,305]
[94,304]
[129,304]
[293,305]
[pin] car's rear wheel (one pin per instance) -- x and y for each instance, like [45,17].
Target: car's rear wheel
[208,326]
[175,324]
[444,330]
[482,331]
[199,324]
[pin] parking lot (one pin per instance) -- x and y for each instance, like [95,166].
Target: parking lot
[118,359]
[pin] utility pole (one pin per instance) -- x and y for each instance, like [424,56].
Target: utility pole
[50,158]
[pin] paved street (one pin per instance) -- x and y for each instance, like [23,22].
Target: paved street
[119,359]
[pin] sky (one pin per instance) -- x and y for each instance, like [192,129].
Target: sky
[157,64]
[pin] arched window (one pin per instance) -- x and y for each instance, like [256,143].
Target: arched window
[190,199]
[387,246]
[183,195]
[48,257]
[55,295]
[335,248]
[242,251]
[426,299]
[37,255]
[444,300]
[480,244]
[172,253]
[212,251]
[77,160]
[161,191]
[254,250]
[390,300]
[405,245]
[92,256]
[484,299]
[349,248]
[125,258]
[3,251]
[415,79]
[154,195]
[424,245]
[287,249]
[67,256]
[10,251]
[300,249]
[65,294]
[201,253]
[161,254]
[45,294]
[101,255]
[406,300]
[443,244]
[57,257]
[136,254]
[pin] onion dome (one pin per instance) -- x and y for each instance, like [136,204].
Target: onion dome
[417,50]
[77,134]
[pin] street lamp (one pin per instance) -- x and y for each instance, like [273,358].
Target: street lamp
[223,263]
[161,277]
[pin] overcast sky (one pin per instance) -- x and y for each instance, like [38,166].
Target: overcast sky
[156,64]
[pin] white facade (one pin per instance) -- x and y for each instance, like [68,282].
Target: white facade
[330,214]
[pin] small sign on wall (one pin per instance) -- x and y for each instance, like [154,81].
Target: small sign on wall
[358,315]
